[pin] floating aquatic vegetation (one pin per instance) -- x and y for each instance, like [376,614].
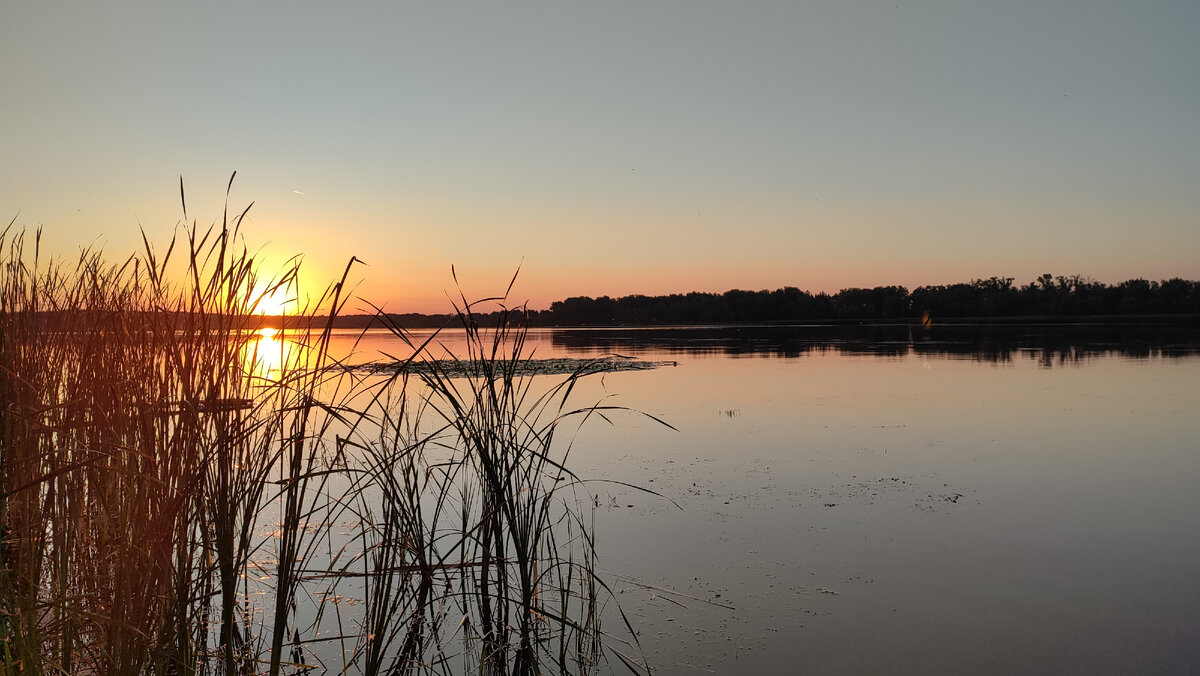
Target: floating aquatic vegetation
[526,367]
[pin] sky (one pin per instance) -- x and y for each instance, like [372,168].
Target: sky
[613,148]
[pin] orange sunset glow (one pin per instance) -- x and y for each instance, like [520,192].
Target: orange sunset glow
[681,337]
[275,302]
[613,151]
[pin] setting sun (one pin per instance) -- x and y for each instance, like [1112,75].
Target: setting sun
[275,302]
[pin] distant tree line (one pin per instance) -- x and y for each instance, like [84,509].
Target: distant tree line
[1047,295]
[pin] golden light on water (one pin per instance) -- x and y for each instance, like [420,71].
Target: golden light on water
[267,353]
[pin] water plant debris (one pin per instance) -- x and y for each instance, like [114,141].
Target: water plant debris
[526,367]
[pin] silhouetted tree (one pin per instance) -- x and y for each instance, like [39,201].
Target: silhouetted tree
[1047,295]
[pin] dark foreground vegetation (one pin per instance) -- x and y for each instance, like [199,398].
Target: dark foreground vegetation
[173,502]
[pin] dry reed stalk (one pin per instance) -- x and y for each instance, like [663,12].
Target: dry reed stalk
[143,454]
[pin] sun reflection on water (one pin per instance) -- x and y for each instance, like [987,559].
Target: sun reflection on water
[267,354]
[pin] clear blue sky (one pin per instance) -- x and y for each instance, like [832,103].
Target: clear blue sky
[618,147]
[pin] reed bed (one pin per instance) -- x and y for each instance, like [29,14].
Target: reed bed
[171,506]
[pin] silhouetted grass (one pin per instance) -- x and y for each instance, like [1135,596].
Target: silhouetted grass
[172,506]
[508,521]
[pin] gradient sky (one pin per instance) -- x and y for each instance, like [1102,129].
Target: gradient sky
[618,147]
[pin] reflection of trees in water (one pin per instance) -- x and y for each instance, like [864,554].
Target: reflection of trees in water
[1049,345]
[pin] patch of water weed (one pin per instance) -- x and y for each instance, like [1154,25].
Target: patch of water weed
[526,367]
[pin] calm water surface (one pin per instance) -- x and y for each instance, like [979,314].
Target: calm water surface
[866,500]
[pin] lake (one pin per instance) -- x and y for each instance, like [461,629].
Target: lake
[850,500]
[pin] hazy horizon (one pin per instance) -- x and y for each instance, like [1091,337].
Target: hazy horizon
[621,148]
[1016,283]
